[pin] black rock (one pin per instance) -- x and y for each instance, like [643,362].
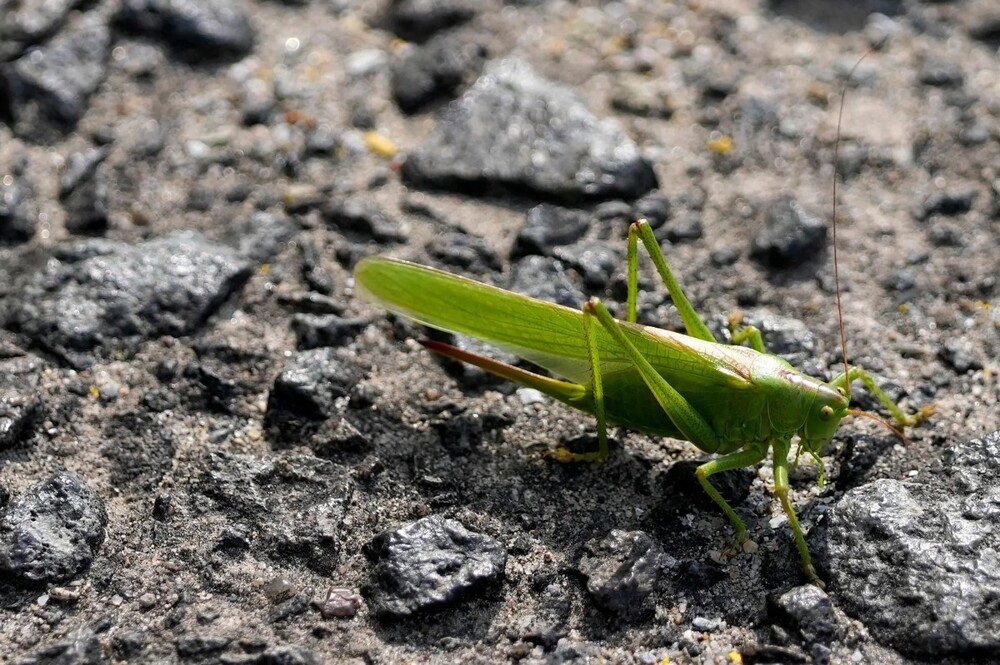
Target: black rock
[199,29]
[595,260]
[356,216]
[263,235]
[949,204]
[461,434]
[789,236]
[623,571]
[96,297]
[310,383]
[944,234]
[317,330]
[17,221]
[683,229]
[289,654]
[783,336]
[810,610]
[544,278]
[941,73]
[18,412]
[560,150]
[959,354]
[20,404]
[914,560]
[419,20]
[654,207]
[295,504]
[464,251]
[82,646]
[27,23]
[680,479]
[201,646]
[49,87]
[83,190]
[314,270]
[431,564]
[547,226]
[53,531]
[434,71]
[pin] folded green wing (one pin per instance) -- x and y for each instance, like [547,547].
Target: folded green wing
[546,334]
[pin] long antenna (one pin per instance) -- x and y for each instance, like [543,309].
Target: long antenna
[836,263]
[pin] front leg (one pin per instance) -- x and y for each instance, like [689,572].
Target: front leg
[781,490]
[843,381]
[737,460]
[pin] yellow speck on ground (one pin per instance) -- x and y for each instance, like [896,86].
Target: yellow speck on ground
[720,145]
[736,657]
[380,144]
[903,308]
[265,269]
[95,392]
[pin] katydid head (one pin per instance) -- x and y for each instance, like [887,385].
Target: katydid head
[823,418]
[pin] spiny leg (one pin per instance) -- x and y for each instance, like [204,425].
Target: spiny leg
[781,490]
[843,381]
[692,322]
[564,455]
[737,460]
[690,423]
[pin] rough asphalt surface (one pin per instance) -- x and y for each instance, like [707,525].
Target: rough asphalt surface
[211,451]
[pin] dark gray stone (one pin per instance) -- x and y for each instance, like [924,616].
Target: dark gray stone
[516,130]
[310,383]
[52,532]
[201,646]
[50,86]
[17,219]
[544,278]
[789,235]
[916,560]
[810,610]
[464,251]
[357,216]
[418,20]
[27,23]
[295,504]
[434,71]
[547,226]
[783,336]
[83,646]
[623,572]
[681,484]
[18,410]
[289,654]
[199,29]
[595,260]
[96,297]
[948,204]
[83,190]
[20,404]
[318,330]
[654,207]
[431,564]
[959,354]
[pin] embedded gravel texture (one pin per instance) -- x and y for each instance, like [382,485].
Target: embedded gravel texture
[211,451]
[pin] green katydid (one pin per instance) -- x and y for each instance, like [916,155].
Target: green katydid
[730,400]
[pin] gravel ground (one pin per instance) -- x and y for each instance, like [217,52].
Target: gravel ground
[211,451]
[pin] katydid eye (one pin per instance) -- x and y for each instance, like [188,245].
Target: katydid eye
[826,413]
